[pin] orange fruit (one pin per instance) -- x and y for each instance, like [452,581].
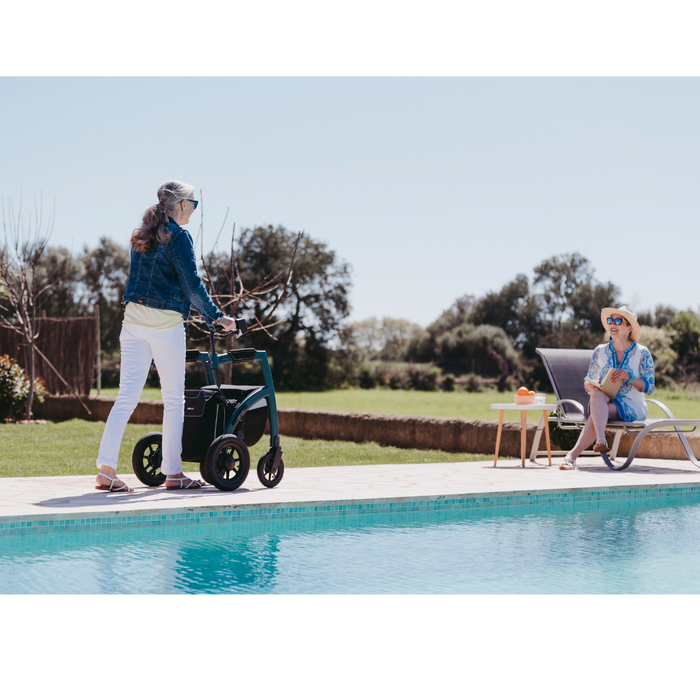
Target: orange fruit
[522,391]
[532,393]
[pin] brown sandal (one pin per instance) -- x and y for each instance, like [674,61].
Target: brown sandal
[601,447]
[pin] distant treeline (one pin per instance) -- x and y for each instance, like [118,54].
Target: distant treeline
[495,336]
[488,339]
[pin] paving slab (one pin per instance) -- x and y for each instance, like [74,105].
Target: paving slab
[62,496]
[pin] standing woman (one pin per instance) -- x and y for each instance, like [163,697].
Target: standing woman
[163,283]
[633,364]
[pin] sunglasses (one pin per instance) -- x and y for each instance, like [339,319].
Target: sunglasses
[616,321]
[194,201]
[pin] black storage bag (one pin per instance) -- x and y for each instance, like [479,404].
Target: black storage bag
[255,419]
[206,416]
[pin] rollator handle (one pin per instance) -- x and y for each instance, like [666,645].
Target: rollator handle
[241,328]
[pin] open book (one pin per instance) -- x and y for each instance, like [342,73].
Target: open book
[606,383]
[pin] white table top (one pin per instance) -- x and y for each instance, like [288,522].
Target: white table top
[524,406]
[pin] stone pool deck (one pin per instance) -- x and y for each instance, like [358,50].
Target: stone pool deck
[61,497]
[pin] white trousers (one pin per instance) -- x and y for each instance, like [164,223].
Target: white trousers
[138,347]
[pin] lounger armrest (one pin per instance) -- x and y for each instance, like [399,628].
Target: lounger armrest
[576,404]
[662,406]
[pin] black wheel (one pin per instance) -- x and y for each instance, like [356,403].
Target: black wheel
[146,459]
[203,472]
[227,463]
[266,475]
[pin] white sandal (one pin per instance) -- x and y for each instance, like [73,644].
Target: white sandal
[112,487]
[194,484]
[568,463]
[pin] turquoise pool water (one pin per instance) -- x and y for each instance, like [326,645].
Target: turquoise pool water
[634,545]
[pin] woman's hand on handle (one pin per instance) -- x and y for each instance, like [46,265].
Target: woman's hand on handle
[228,322]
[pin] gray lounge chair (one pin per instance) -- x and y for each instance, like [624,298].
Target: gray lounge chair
[566,370]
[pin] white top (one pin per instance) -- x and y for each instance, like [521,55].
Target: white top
[148,317]
[638,362]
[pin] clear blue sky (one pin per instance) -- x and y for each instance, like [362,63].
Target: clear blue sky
[430,188]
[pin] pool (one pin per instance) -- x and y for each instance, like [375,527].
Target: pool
[645,543]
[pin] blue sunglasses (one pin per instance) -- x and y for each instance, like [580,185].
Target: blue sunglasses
[616,321]
[194,201]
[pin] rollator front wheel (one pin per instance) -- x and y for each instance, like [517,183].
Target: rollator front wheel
[227,463]
[146,459]
[268,476]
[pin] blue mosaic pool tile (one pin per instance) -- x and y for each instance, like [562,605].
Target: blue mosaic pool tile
[536,503]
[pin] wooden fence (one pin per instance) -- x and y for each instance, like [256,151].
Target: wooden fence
[70,345]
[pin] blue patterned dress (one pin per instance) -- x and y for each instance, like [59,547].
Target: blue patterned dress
[637,360]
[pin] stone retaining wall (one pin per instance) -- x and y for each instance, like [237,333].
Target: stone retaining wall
[423,433]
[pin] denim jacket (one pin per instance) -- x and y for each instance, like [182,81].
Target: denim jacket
[166,278]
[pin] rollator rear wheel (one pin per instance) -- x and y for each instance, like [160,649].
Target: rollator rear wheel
[203,472]
[146,459]
[227,463]
[266,475]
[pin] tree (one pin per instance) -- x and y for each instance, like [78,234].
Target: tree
[384,339]
[559,278]
[660,344]
[460,312]
[21,254]
[664,315]
[572,298]
[513,309]
[487,346]
[104,278]
[60,271]
[97,277]
[365,337]
[686,344]
[295,291]
[421,346]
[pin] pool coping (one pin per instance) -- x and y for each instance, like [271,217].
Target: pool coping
[286,510]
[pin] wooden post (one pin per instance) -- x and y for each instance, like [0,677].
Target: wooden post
[99,350]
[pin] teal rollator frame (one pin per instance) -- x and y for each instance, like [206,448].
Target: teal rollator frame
[221,422]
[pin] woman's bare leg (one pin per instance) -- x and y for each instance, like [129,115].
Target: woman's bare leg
[600,413]
[601,410]
[586,437]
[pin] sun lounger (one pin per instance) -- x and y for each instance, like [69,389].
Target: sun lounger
[566,369]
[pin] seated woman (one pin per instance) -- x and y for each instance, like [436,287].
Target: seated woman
[633,364]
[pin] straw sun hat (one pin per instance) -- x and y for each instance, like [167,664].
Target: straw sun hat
[628,315]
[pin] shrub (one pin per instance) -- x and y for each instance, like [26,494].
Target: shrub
[367,378]
[424,379]
[14,389]
[472,383]
[448,383]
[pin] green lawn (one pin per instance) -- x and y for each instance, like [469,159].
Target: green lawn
[438,403]
[70,448]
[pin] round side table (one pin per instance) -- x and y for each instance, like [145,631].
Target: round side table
[544,408]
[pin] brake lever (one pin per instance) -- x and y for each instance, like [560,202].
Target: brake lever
[241,328]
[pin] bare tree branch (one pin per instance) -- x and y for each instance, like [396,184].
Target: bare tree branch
[276,283]
[20,255]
